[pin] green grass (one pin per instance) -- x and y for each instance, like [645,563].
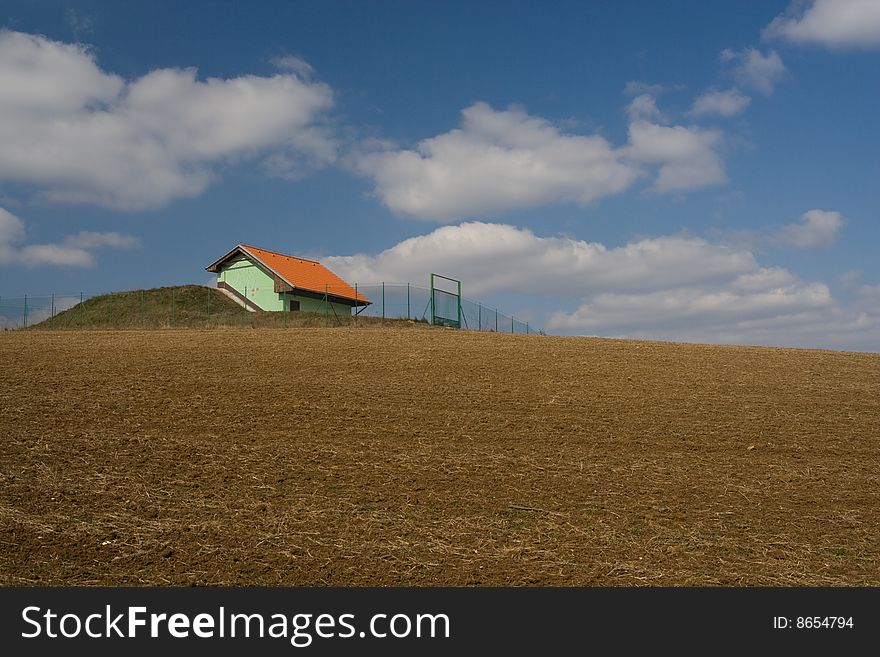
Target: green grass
[187,306]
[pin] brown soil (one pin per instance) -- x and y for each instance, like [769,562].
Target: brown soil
[433,457]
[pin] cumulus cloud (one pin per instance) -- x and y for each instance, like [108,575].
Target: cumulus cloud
[831,23]
[644,107]
[54,255]
[79,134]
[715,102]
[11,227]
[497,160]
[817,229]
[505,160]
[73,251]
[686,156]
[502,258]
[669,287]
[754,70]
[666,312]
[805,316]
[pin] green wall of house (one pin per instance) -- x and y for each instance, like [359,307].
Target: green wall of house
[252,282]
[258,286]
[309,305]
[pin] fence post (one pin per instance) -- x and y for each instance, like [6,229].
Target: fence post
[53,304]
[527,328]
[24,318]
[459,304]
[479,316]
[407,300]
[383,299]
[511,323]
[356,297]
[326,306]
[496,320]
[172,306]
[80,304]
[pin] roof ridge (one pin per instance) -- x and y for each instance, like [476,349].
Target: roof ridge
[278,253]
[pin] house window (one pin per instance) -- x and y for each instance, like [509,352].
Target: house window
[294,305]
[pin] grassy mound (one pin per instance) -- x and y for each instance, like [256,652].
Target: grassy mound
[185,306]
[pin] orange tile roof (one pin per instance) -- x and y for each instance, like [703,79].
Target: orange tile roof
[305,274]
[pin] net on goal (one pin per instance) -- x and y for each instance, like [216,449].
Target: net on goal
[445,301]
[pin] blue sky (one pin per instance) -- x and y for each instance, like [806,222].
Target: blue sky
[695,171]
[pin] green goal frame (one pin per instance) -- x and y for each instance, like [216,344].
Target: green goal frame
[441,320]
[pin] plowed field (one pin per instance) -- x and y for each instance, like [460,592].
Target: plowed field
[433,457]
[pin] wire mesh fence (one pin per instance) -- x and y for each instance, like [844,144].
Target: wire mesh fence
[29,310]
[207,306]
[413,302]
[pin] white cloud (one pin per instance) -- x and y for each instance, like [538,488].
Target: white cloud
[502,258]
[671,288]
[11,227]
[686,155]
[870,293]
[868,300]
[284,166]
[78,134]
[293,63]
[505,160]
[50,79]
[644,107]
[73,251]
[729,102]
[497,161]
[831,23]
[805,316]
[662,312]
[764,278]
[755,70]
[53,255]
[817,229]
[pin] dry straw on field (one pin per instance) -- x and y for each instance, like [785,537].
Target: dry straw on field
[431,457]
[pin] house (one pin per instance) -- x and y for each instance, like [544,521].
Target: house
[265,280]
